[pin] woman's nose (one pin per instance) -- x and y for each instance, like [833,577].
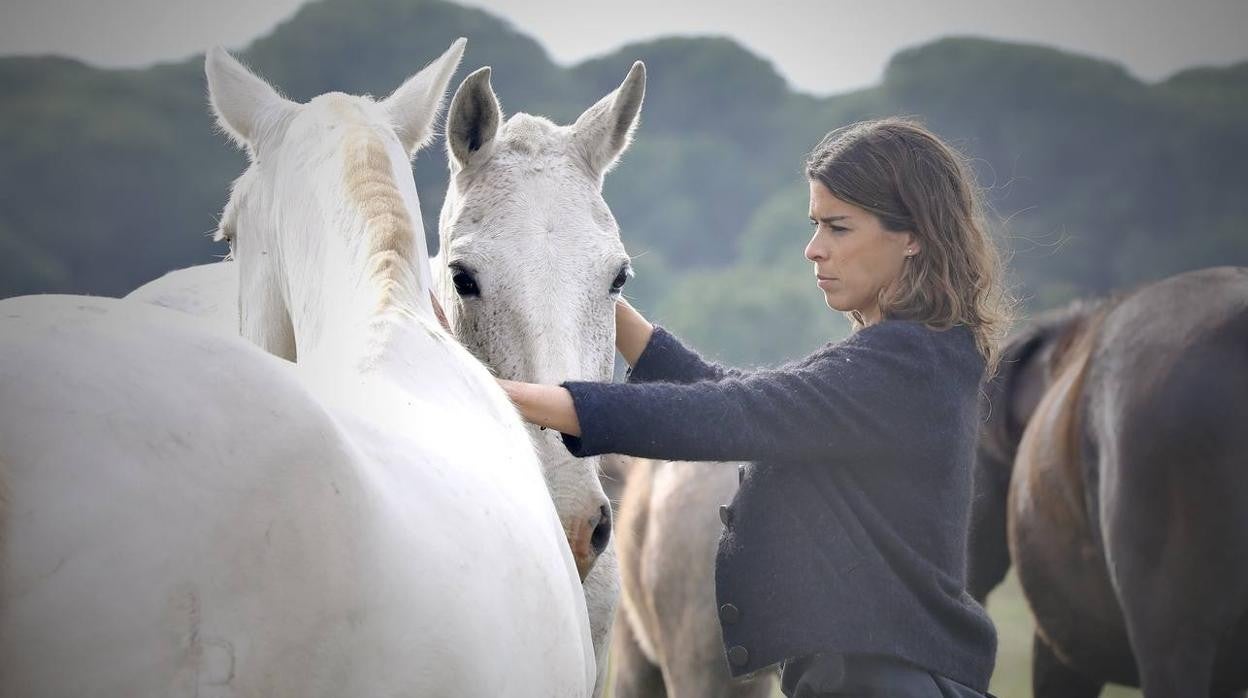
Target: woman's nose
[814,252]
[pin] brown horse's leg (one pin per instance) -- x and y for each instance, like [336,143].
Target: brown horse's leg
[1179,669]
[1173,529]
[1051,678]
[1173,593]
[635,675]
[1173,663]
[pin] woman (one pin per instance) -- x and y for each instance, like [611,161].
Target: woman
[843,551]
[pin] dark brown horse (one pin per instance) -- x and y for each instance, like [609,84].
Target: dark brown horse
[1113,474]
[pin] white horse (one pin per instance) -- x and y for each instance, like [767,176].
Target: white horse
[534,267]
[187,515]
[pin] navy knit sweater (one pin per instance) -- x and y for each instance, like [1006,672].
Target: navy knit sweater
[848,533]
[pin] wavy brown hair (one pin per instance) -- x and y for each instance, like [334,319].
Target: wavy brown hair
[912,181]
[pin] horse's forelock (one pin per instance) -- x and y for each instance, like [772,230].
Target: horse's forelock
[528,143]
[533,133]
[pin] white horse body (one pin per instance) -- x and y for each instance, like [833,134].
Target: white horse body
[186,515]
[207,291]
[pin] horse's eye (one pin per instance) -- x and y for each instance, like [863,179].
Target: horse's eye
[465,285]
[620,280]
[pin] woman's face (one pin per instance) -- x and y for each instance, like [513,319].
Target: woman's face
[855,257]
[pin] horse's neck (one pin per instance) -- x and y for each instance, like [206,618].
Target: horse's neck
[364,316]
[396,364]
[366,333]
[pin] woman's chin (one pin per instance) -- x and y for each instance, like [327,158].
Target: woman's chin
[835,303]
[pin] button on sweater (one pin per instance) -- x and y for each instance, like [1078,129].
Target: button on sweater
[848,533]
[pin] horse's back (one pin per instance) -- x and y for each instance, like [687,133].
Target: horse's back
[184,516]
[207,291]
[1167,398]
[1173,352]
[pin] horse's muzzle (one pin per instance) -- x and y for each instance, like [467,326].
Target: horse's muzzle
[588,538]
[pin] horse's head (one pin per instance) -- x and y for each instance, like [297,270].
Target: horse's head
[1028,363]
[324,224]
[533,263]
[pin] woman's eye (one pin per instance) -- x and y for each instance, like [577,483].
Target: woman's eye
[620,280]
[465,285]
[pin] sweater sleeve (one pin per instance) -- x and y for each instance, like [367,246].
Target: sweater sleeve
[666,359]
[845,401]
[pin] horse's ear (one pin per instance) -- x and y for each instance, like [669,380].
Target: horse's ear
[414,107]
[606,129]
[474,119]
[242,102]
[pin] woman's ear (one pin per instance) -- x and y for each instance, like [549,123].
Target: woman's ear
[912,245]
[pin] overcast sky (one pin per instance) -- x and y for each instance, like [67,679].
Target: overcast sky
[821,46]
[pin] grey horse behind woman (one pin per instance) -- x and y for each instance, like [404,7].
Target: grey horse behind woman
[667,634]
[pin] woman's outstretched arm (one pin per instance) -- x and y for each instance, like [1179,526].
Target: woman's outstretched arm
[846,401]
[548,406]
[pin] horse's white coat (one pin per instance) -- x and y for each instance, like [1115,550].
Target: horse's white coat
[208,291]
[190,516]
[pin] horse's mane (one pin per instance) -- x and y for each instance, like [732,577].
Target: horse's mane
[391,236]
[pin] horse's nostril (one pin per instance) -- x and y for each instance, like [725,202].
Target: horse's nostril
[602,532]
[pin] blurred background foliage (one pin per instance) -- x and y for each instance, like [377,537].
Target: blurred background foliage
[1095,180]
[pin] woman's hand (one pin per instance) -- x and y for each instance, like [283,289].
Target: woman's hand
[632,331]
[548,406]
